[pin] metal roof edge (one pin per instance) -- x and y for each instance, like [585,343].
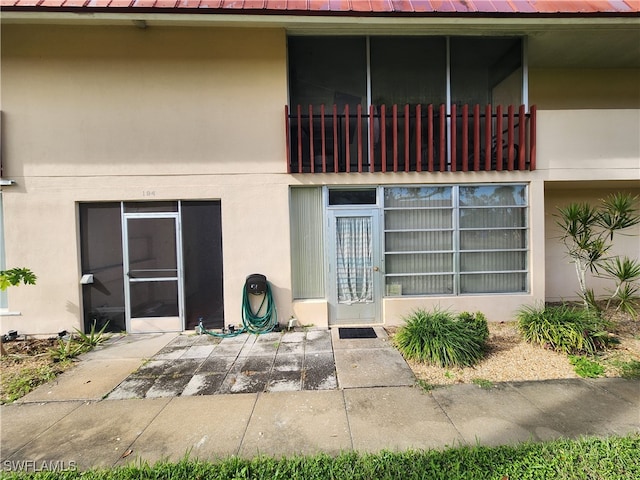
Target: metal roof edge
[285,18]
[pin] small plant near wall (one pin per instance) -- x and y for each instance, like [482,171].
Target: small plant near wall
[443,338]
[78,343]
[587,233]
[564,328]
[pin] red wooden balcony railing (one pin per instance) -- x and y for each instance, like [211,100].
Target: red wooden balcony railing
[410,138]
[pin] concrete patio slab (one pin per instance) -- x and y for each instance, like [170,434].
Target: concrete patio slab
[206,427]
[627,389]
[97,434]
[319,371]
[581,407]
[289,423]
[318,341]
[371,367]
[89,380]
[204,384]
[495,416]
[132,387]
[131,346]
[397,418]
[21,423]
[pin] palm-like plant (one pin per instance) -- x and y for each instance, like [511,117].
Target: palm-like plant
[588,232]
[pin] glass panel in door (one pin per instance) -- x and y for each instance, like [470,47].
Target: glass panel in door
[355,267]
[152,273]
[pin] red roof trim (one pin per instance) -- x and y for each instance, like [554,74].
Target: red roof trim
[368,7]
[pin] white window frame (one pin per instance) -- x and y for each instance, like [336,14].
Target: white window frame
[456,231]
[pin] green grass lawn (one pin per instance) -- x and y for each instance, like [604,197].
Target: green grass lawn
[587,458]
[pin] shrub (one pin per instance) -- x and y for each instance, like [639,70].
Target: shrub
[441,338]
[563,328]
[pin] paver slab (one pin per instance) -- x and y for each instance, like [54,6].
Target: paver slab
[289,423]
[96,434]
[22,423]
[397,418]
[206,427]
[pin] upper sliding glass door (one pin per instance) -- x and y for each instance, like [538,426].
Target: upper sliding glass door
[153,273]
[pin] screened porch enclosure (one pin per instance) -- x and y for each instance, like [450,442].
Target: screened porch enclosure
[390,104]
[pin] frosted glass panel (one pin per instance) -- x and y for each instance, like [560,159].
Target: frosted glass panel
[492,239]
[420,285]
[418,241]
[493,283]
[307,243]
[419,263]
[493,217]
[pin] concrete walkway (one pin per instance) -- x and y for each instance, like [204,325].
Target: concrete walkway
[81,420]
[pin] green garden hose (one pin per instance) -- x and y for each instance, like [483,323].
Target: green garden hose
[263,320]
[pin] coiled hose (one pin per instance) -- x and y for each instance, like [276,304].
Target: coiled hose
[252,322]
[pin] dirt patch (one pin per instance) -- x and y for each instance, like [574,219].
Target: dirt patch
[26,365]
[511,359]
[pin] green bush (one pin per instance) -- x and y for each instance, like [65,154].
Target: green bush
[442,338]
[563,328]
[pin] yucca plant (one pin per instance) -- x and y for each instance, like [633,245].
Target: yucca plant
[442,338]
[66,350]
[624,271]
[587,234]
[563,328]
[93,338]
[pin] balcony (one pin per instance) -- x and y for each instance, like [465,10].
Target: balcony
[409,138]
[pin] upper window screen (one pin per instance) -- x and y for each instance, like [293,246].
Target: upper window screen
[408,70]
[327,70]
[486,71]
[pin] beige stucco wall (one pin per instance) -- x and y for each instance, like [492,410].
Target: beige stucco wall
[588,144]
[118,113]
[584,88]
[561,279]
[111,113]
[121,100]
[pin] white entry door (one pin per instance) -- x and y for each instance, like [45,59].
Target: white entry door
[354,270]
[153,273]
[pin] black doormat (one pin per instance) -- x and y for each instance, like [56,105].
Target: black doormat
[359,332]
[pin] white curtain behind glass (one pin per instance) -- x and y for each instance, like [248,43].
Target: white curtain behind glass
[354,259]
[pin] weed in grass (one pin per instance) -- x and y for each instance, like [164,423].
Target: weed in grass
[563,328]
[629,369]
[585,367]
[483,383]
[17,385]
[442,338]
[426,386]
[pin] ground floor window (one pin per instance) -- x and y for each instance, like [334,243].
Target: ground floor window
[434,239]
[452,240]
